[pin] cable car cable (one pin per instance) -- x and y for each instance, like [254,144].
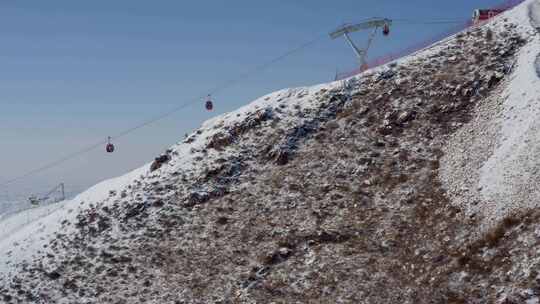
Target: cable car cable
[221,87]
[215,90]
[54,163]
[162,116]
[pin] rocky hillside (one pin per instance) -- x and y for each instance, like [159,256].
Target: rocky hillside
[349,192]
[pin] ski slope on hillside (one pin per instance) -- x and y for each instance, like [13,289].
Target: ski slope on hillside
[307,187]
[24,234]
[489,167]
[20,241]
[512,174]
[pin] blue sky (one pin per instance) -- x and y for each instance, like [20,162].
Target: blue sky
[73,72]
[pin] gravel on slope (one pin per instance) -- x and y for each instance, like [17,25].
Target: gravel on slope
[466,152]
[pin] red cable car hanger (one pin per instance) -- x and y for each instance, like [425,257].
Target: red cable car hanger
[209,105]
[110,147]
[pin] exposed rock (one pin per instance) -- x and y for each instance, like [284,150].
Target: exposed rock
[159,161]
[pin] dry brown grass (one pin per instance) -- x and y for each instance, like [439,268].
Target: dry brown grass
[494,235]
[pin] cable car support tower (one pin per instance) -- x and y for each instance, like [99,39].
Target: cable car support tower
[374,24]
[35,200]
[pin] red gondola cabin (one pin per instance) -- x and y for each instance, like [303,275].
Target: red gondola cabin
[110,147]
[386,29]
[481,15]
[209,105]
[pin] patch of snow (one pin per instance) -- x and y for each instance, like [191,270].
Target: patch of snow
[24,235]
[511,175]
[534,13]
[534,300]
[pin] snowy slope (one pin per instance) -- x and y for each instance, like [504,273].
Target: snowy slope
[24,234]
[491,167]
[512,174]
[172,197]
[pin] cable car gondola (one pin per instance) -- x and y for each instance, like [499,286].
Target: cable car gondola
[386,29]
[209,105]
[110,147]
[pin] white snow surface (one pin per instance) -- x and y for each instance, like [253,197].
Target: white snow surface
[535,14]
[23,235]
[510,179]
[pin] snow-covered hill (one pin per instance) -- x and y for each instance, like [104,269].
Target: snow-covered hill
[491,166]
[393,186]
